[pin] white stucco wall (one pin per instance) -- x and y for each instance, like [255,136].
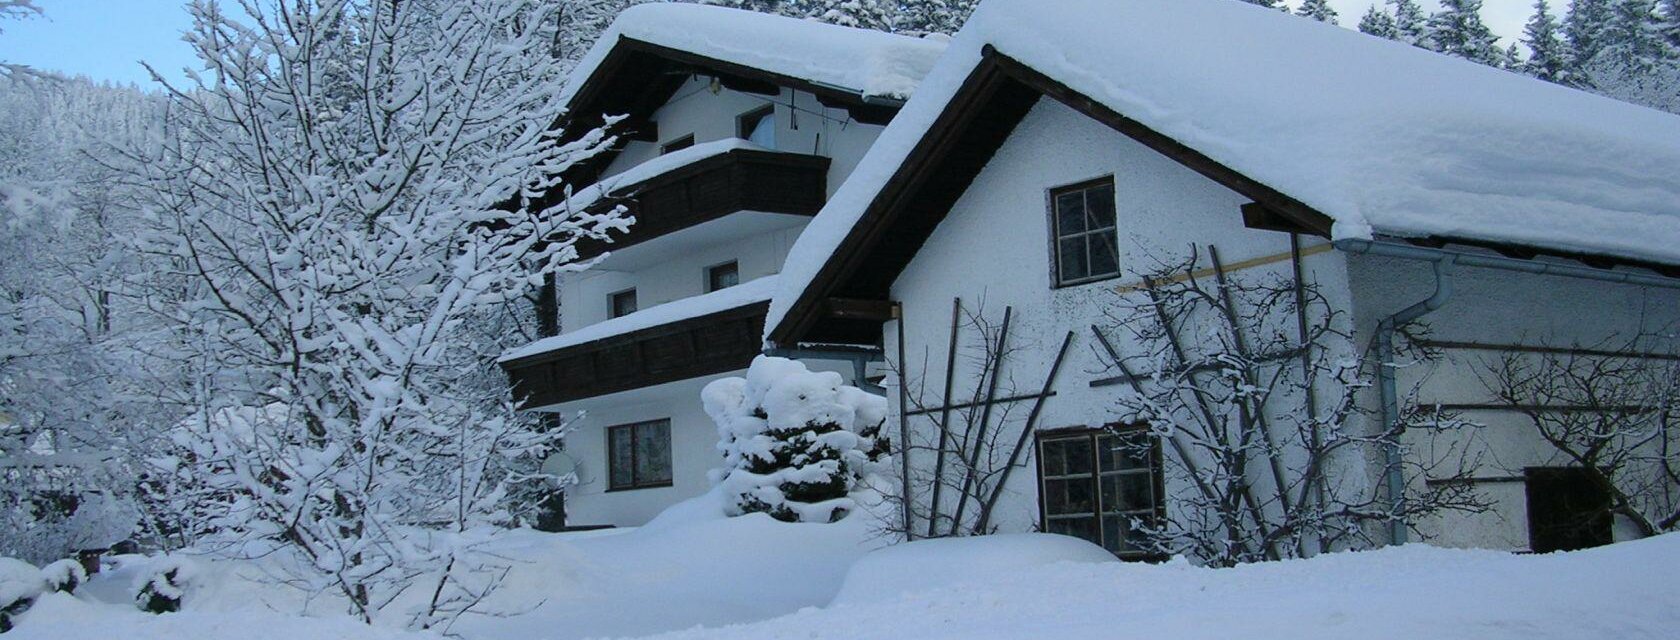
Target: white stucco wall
[994,249]
[1496,307]
[694,451]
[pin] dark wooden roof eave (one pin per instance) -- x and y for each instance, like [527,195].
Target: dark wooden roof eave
[981,91]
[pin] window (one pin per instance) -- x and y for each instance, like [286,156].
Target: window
[639,455]
[1086,246]
[758,126]
[1095,484]
[723,276]
[677,145]
[1567,510]
[622,303]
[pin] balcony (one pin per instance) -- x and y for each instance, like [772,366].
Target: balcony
[719,183]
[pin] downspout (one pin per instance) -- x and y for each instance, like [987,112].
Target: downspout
[1387,385]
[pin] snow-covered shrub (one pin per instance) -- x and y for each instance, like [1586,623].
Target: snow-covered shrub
[20,584]
[795,442]
[164,586]
[64,575]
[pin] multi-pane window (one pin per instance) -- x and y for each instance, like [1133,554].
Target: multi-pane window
[677,145]
[1086,245]
[758,126]
[622,303]
[1099,485]
[639,455]
[723,276]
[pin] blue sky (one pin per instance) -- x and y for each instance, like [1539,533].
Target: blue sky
[105,39]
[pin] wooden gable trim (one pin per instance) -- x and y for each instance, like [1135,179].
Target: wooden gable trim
[995,75]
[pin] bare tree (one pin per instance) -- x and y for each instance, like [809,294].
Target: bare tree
[1250,387]
[1610,412]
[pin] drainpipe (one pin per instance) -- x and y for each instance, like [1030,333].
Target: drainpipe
[1386,328]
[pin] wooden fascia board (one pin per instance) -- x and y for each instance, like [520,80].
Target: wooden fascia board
[744,311]
[850,253]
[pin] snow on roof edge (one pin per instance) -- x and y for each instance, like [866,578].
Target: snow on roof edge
[740,295]
[871,63]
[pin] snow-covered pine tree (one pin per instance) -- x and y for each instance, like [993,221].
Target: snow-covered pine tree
[1378,23]
[337,244]
[1633,41]
[1671,22]
[1457,30]
[919,17]
[1409,21]
[1269,4]
[861,14]
[796,443]
[1583,28]
[1319,10]
[1548,56]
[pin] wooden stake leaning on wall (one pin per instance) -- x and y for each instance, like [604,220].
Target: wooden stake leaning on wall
[944,419]
[903,426]
[996,491]
[1255,419]
[985,417]
[1177,444]
[1315,492]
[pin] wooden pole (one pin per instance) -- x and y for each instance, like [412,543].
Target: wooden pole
[944,419]
[1026,432]
[903,426]
[985,417]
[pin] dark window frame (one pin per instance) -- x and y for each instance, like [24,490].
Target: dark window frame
[612,303]
[677,144]
[1056,235]
[746,122]
[711,275]
[612,454]
[1157,477]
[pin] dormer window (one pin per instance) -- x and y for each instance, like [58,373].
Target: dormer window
[723,276]
[677,145]
[622,303]
[758,126]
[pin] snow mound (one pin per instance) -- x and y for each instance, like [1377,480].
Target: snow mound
[59,616]
[927,565]
[1383,137]
[19,580]
[872,63]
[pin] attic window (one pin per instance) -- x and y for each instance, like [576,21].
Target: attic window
[677,145]
[1082,220]
[723,276]
[622,303]
[758,126]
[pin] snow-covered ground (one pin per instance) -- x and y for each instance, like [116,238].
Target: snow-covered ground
[693,575]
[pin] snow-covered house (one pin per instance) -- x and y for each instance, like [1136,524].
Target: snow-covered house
[1508,214]
[736,129]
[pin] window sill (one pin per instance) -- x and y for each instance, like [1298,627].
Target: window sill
[639,487]
[1081,283]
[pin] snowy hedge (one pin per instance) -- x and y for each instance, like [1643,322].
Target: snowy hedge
[796,443]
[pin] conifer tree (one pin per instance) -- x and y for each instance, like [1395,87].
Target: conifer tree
[1409,21]
[1670,22]
[1270,4]
[1548,57]
[1633,42]
[1583,28]
[1378,23]
[1318,10]
[1457,29]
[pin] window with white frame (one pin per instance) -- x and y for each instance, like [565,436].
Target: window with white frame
[1086,245]
[1101,485]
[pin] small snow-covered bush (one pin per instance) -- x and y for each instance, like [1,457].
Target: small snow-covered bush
[795,442]
[64,575]
[164,586]
[20,584]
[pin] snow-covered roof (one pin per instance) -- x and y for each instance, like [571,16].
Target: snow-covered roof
[870,63]
[740,295]
[1382,137]
[655,167]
